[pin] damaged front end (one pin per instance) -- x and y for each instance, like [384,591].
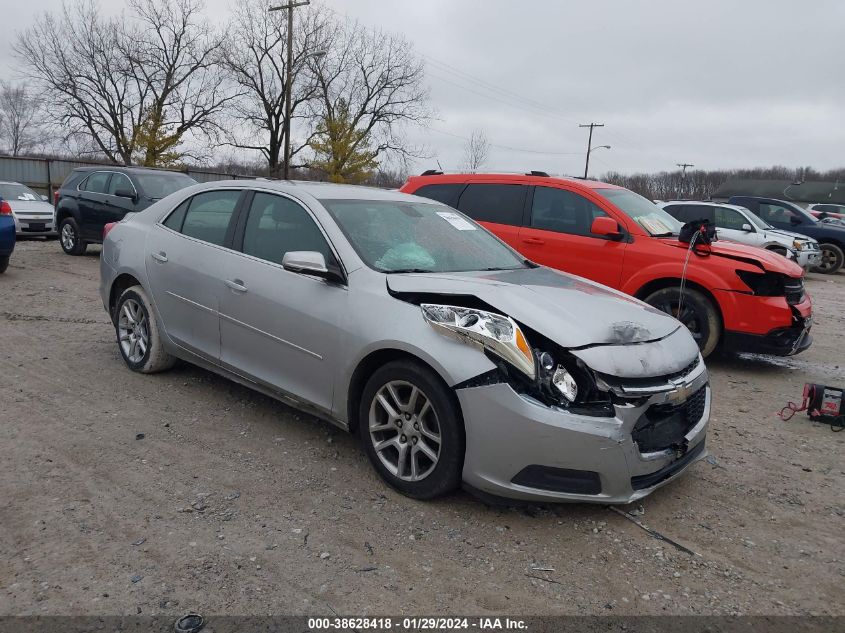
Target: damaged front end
[606,422]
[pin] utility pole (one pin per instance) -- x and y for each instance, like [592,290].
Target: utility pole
[589,144]
[290,7]
[684,166]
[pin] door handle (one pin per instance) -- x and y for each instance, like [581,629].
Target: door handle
[161,256]
[533,240]
[236,284]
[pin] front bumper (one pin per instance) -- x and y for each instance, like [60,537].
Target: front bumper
[34,225]
[519,448]
[779,341]
[808,258]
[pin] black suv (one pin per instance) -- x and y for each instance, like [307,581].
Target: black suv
[91,197]
[791,217]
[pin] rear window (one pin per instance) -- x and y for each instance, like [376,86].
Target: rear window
[157,186]
[488,202]
[13,191]
[445,193]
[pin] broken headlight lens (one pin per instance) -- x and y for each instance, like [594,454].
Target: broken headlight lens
[494,332]
[565,383]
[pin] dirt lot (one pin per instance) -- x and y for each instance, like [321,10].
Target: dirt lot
[233,503]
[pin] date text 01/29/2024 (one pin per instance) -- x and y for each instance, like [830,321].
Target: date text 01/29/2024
[416,624]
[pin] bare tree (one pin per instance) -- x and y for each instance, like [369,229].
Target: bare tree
[374,81]
[173,52]
[476,151]
[129,87]
[76,57]
[255,59]
[20,117]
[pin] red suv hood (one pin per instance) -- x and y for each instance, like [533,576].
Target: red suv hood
[752,255]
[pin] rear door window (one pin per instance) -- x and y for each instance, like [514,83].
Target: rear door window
[209,214]
[563,211]
[98,182]
[490,202]
[696,212]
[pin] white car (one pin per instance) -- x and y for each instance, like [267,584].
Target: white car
[33,215]
[737,224]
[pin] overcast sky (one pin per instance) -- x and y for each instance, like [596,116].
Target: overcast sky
[717,83]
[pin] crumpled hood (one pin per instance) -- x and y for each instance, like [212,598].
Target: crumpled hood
[760,257]
[790,234]
[571,311]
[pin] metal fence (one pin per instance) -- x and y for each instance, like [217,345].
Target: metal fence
[45,175]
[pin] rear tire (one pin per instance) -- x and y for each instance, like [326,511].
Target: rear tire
[410,425]
[832,259]
[699,315]
[70,238]
[138,335]
[4,264]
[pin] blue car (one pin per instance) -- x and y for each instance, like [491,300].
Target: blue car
[7,234]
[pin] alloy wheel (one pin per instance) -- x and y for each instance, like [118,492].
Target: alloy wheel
[405,431]
[686,315]
[68,237]
[133,331]
[828,260]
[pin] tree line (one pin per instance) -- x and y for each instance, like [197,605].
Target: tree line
[159,85]
[702,184]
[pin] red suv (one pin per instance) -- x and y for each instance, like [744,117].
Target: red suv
[743,297]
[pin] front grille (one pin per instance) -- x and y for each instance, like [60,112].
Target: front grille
[664,426]
[794,290]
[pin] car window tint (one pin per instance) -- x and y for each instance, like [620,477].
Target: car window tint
[563,211]
[501,204]
[209,214]
[119,181]
[674,210]
[697,212]
[277,225]
[730,219]
[97,182]
[445,193]
[175,219]
[775,213]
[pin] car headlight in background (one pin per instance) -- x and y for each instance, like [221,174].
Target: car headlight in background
[497,333]
[798,245]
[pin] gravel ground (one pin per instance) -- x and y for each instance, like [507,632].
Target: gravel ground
[233,503]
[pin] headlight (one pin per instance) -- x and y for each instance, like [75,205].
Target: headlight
[798,245]
[565,383]
[495,332]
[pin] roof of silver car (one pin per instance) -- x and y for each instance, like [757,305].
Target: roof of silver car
[320,190]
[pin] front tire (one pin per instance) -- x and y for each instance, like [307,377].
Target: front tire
[698,314]
[411,428]
[832,259]
[138,333]
[70,238]
[4,264]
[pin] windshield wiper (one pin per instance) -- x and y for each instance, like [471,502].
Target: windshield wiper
[409,270]
[666,234]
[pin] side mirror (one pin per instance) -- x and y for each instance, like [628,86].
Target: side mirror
[310,262]
[125,193]
[606,227]
[747,228]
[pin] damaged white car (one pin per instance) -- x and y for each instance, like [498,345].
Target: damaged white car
[455,359]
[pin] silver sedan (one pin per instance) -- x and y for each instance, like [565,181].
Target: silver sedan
[399,319]
[33,215]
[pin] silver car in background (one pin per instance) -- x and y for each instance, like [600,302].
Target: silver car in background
[395,317]
[33,215]
[737,224]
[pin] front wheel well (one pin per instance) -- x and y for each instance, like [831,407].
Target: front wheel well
[669,282]
[365,369]
[118,286]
